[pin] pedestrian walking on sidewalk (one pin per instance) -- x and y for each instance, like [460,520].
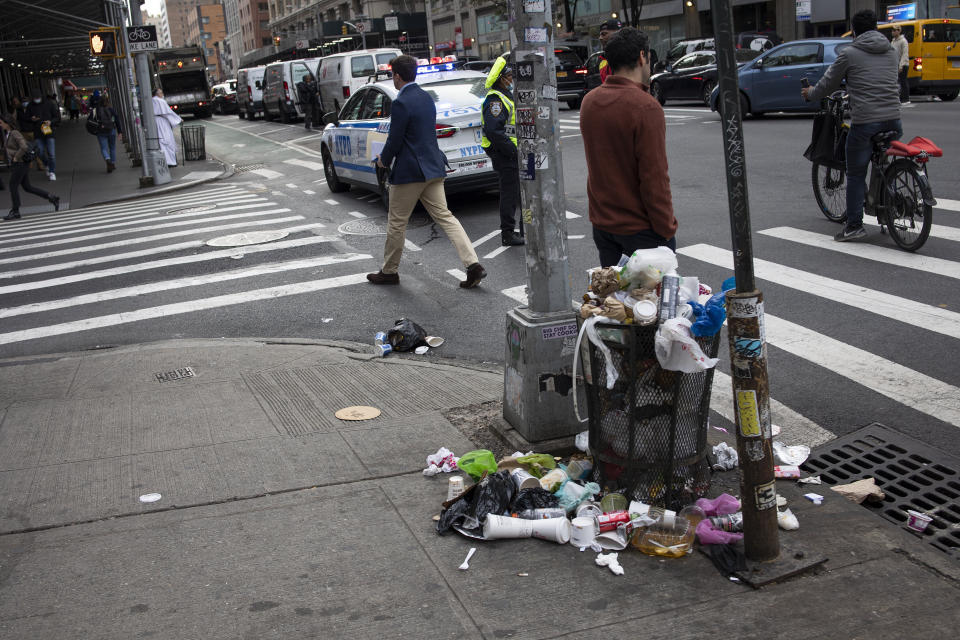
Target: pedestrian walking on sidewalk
[625,140]
[498,119]
[44,115]
[166,120]
[308,93]
[107,129]
[73,105]
[416,168]
[16,150]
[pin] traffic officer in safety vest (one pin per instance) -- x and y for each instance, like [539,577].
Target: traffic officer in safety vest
[499,120]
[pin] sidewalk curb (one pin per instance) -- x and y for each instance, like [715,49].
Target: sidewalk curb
[226,171]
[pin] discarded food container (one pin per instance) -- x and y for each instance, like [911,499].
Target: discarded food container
[552,480]
[434,341]
[918,521]
[589,510]
[645,312]
[543,513]
[454,487]
[614,502]
[786,471]
[672,537]
[610,521]
[523,479]
[578,469]
[555,529]
[583,531]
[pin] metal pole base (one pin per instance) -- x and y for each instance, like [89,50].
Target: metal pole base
[158,167]
[538,385]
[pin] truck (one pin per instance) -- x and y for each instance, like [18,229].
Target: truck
[181,72]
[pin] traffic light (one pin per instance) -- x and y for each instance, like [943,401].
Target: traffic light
[343,29]
[105,43]
[276,41]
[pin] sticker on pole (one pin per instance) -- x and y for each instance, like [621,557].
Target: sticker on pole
[559,331]
[765,496]
[549,92]
[526,115]
[525,70]
[742,307]
[526,96]
[535,34]
[747,347]
[534,6]
[749,416]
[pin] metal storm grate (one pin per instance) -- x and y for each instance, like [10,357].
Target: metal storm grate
[912,474]
[243,168]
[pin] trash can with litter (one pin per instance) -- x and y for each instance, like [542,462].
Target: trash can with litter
[193,137]
[648,430]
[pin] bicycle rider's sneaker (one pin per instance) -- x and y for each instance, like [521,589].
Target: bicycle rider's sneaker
[851,233]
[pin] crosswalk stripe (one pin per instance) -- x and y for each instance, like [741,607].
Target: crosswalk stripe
[81,222]
[901,384]
[667,115]
[796,429]
[92,214]
[153,265]
[936,231]
[489,236]
[162,311]
[269,174]
[356,214]
[923,315]
[890,256]
[571,215]
[495,253]
[309,164]
[152,200]
[577,237]
[517,293]
[331,201]
[161,236]
[410,246]
[949,205]
[79,228]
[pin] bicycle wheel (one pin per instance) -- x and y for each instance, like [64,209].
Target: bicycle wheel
[906,215]
[830,190]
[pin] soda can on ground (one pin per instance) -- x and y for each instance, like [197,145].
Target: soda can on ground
[610,521]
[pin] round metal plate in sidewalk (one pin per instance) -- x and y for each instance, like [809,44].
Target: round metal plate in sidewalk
[378,226]
[357,413]
[205,207]
[247,238]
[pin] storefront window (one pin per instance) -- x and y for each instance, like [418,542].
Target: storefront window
[491,23]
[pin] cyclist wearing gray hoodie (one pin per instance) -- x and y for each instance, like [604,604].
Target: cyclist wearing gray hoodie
[870,67]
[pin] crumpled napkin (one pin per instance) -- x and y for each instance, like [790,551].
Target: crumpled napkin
[443,461]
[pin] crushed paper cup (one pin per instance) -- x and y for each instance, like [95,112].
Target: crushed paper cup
[150,497]
[434,341]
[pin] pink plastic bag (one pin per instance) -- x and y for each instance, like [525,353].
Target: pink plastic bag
[708,534]
[722,505]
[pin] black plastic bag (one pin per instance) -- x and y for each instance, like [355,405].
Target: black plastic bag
[493,494]
[828,142]
[406,335]
[533,499]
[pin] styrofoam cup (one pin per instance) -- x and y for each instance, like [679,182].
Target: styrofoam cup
[583,531]
[523,479]
[496,527]
[553,529]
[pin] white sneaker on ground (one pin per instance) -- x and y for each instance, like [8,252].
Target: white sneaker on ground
[52,176]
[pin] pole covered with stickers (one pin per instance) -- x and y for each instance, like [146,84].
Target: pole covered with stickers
[745,324]
[540,335]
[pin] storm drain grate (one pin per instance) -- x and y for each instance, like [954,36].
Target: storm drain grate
[241,168]
[912,474]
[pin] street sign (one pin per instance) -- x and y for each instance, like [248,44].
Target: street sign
[302,44]
[360,27]
[105,43]
[391,23]
[142,38]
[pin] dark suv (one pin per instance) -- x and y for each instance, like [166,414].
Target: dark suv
[571,75]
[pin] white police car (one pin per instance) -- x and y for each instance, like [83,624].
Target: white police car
[356,136]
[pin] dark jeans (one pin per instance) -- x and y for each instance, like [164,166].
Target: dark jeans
[904,89]
[612,245]
[859,150]
[20,175]
[309,114]
[508,175]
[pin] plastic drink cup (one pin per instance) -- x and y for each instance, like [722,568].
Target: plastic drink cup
[645,312]
[613,502]
[454,487]
[578,469]
[918,521]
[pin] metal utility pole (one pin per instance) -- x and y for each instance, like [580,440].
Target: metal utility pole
[155,170]
[748,351]
[359,28]
[538,374]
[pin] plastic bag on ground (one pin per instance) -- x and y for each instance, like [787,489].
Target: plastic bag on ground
[571,495]
[646,267]
[795,455]
[474,463]
[538,463]
[708,534]
[722,505]
[406,335]
[582,441]
[536,498]
[493,494]
[677,350]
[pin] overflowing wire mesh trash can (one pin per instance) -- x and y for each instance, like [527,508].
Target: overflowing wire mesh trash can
[648,433]
[194,141]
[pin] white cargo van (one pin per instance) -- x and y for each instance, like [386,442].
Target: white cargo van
[250,92]
[343,73]
[280,99]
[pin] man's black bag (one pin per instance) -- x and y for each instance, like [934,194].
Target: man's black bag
[100,122]
[829,141]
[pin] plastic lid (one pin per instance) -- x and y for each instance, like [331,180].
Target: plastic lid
[645,311]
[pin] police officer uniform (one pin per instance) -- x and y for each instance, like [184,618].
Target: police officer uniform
[499,141]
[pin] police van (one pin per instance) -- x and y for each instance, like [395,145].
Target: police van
[355,135]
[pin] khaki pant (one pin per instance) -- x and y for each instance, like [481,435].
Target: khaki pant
[403,198]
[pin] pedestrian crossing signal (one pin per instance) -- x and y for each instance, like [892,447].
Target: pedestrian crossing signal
[105,43]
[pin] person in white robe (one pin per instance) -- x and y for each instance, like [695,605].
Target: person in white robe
[166,119]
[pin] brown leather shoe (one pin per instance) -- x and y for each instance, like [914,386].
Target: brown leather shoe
[475,273]
[383,278]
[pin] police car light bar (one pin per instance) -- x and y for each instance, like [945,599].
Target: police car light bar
[435,68]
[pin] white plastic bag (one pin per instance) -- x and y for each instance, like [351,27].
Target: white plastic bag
[646,267]
[795,455]
[677,350]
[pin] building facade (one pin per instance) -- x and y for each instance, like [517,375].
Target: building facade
[178,21]
[163,28]
[230,49]
[207,26]
[255,24]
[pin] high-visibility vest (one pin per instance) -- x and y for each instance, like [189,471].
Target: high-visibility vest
[511,128]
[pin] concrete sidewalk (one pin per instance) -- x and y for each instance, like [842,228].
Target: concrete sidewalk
[279,520]
[82,177]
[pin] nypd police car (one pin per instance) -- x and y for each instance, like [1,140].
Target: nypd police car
[356,135]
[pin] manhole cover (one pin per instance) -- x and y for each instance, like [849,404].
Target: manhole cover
[240,168]
[913,475]
[378,227]
[205,207]
[176,374]
[249,237]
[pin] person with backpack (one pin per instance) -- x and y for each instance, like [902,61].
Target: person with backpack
[107,129]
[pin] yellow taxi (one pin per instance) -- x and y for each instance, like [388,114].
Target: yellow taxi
[934,55]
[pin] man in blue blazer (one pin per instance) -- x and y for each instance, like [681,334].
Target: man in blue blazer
[417,168]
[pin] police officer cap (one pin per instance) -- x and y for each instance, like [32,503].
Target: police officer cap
[500,67]
[611,25]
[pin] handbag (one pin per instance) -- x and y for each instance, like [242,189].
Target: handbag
[92,124]
[828,141]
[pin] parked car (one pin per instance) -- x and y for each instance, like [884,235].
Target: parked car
[745,40]
[250,92]
[341,74]
[693,76]
[225,97]
[571,76]
[355,135]
[771,82]
[280,99]
[592,66]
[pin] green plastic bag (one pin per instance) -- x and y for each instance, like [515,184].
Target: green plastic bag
[474,463]
[538,463]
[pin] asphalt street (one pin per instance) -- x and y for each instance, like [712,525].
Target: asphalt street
[857,333]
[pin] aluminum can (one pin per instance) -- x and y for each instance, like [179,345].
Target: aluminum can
[380,338]
[610,521]
[731,522]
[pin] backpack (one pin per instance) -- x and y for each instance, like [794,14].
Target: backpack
[100,122]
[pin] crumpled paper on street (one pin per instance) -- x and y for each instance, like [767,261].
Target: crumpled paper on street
[610,561]
[860,490]
[443,461]
[726,456]
[795,455]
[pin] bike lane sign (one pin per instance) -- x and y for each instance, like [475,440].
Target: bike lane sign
[142,38]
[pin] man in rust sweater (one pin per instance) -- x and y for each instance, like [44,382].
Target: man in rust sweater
[624,136]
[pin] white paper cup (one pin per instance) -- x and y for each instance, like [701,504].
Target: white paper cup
[583,531]
[553,529]
[454,487]
[918,521]
[523,479]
